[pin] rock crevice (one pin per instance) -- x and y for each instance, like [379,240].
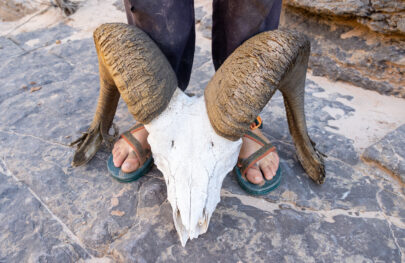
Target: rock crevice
[358,41]
[382,16]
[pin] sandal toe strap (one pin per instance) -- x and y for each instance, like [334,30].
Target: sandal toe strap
[140,152]
[256,138]
[136,127]
[245,164]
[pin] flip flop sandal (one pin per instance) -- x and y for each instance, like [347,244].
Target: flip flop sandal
[141,154]
[244,164]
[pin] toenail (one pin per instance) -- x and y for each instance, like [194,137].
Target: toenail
[126,166]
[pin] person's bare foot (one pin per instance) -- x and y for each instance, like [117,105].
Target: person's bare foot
[268,165]
[123,154]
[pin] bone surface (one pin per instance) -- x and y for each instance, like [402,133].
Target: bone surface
[194,161]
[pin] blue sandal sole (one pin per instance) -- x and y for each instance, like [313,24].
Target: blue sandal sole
[119,175]
[255,189]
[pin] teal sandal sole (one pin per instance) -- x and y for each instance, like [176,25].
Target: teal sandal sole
[119,175]
[255,189]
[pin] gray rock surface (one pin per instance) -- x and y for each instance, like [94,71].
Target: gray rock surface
[387,17]
[199,14]
[389,153]
[28,231]
[56,213]
[119,4]
[11,10]
[206,26]
[342,49]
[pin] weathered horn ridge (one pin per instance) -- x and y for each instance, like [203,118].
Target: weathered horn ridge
[138,68]
[247,80]
[130,65]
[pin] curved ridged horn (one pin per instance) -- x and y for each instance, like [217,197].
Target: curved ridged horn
[140,71]
[247,80]
[130,65]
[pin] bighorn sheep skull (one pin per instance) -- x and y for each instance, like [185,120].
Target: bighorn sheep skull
[195,141]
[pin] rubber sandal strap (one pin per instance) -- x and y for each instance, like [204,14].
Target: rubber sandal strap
[135,145]
[245,164]
[136,127]
[256,138]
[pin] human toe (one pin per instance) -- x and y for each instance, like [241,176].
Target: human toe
[254,175]
[274,162]
[119,155]
[268,172]
[130,164]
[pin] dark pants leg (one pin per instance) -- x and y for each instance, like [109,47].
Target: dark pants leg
[170,23]
[235,21]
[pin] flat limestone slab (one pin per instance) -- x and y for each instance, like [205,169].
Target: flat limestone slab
[29,232]
[389,152]
[357,215]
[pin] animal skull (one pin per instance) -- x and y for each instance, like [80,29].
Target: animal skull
[195,141]
[194,161]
